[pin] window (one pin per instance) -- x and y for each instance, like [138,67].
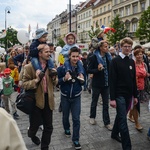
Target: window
[135,8]
[89,13]
[128,26]
[108,19]
[104,8]
[108,6]
[104,20]
[115,12]
[100,22]
[97,12]
[115,2]
[128,10]
[101,10]
[121,12]
[134,26]
[93,13]
[86,14]
[142,6]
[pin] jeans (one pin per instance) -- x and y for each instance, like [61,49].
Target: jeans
[37,65]
[73,106]
[79,66]
[47,115]
[104,91]
[120,125]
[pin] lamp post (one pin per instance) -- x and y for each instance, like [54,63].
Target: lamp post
[7,10]
[69,15]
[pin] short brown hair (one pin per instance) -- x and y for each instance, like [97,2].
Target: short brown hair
[126,40]
[137,51]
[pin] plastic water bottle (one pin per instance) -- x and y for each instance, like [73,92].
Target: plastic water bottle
[149,106]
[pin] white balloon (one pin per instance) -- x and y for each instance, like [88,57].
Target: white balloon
[23,36]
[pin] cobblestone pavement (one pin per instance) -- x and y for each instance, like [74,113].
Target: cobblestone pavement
[92,137]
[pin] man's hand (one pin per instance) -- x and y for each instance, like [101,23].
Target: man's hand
[135,101]
[100,67]
[113,103]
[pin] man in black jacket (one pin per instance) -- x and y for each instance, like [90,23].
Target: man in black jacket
[123,91]
[100,83]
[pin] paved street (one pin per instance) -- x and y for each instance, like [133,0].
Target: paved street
[92,137]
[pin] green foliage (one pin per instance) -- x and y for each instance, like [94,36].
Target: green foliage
[120,33]
[143,31]
[94,31]
[60,42]
[10,39]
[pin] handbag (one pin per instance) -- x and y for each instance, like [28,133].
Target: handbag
[25,101]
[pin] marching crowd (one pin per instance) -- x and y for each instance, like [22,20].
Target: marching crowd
[119,74]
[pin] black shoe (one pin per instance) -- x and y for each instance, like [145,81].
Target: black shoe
[15,115]
[89,90]
[117,138]
[67,133]
[77,145]
[36,140]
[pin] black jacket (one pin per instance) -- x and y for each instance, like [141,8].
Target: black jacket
[98,80]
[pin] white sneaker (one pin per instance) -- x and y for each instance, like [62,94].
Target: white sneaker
[41,127]
[92,121]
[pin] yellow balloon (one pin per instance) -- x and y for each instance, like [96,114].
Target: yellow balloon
[61,59]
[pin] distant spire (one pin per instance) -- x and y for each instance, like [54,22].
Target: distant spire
[29,28]
[37,26]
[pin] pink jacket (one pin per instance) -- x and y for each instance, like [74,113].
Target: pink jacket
[140,76]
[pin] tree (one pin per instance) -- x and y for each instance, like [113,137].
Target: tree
[10,39]
[120,33]
[94,31]
[60,42]
[143,31]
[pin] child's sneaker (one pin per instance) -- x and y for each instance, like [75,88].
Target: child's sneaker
[67,133]
[53,72]
[77,145]
[80,77]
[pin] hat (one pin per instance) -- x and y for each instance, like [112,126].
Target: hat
[7,71]
[70,33]
[40,32]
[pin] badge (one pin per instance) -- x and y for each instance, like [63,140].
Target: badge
[73,80]
[130,67]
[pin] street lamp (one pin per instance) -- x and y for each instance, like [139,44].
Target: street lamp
[69,15]
[7,10]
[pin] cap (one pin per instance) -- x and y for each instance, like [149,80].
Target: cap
[7,71]
[40,32]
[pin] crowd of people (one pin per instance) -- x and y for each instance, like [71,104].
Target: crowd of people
[118,74]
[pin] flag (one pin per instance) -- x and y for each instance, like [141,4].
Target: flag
[108,29]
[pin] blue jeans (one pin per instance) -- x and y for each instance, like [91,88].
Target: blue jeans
[36,64]
[79,66]
[120,125]
[104,91]
[73,106]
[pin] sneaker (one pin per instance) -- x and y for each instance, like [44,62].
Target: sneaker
[81,79]
[92,121]
[67,133]
[77,145]
[15,115]
[36,140]
[109,127]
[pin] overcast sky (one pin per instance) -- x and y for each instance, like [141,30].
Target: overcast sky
[25,12]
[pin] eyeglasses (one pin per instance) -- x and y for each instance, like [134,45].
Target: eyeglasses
[127,47]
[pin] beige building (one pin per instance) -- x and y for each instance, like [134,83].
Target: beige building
[84,21]
[63,24]
[130,12]
[102,12]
